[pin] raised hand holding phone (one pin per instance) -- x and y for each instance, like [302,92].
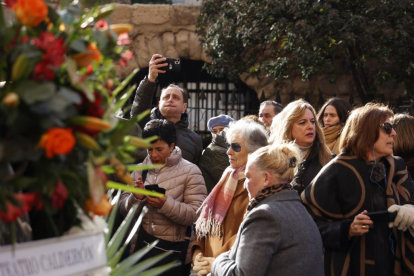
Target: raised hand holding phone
[157,61]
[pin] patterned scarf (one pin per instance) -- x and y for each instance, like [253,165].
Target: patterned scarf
[266,192]
[215,206]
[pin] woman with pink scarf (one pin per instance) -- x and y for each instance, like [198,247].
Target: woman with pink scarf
[223,210]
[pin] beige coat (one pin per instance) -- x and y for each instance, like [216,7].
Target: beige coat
[185,191]
[212,246]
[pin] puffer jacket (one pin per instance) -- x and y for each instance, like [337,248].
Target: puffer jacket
[214,160]
[185,191]
[189,142]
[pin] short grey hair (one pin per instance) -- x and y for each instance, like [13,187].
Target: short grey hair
[254,134]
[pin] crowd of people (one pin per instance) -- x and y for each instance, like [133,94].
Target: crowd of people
[288,192]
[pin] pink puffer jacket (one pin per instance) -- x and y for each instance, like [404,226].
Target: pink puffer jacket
[185,191]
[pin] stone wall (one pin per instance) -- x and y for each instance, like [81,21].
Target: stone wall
[160,29]
[169,30]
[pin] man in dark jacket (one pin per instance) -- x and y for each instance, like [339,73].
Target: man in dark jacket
[214,159]
[172,106]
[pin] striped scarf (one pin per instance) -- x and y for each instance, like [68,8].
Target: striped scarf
[215,206]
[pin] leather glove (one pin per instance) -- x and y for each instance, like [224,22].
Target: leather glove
[202,264]
[405,217]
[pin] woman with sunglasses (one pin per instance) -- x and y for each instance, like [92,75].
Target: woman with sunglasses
[365,178]
[297,122]
[332,118]
[223,210]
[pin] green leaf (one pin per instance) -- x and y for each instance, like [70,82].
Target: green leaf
[142,266]
[160,269]
[141,116]
[100,38]
[123,187]
[2,20]
[22,182]
[124,84]
[79,45]
[119,235]
[109,169]
[112,216]
[32,92]
[131,260]
[62,99]
[75,80]
[124,97]
[114,261]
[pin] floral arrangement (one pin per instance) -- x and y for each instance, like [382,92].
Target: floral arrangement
[59,137]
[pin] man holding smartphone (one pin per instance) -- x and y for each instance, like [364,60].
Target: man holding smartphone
[172,106]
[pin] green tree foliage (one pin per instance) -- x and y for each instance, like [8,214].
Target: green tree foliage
[302,37]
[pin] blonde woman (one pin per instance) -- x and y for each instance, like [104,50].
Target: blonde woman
[297,122]
[403,142]
[277,236]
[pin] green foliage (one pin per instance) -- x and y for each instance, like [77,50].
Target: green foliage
[301,37]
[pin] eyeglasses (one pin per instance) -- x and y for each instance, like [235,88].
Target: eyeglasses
[234,146]
[388,127]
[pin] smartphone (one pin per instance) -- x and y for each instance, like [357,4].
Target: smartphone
[155,188]
[382,216]
[174,65]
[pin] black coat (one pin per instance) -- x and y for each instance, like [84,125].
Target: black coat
[343,190]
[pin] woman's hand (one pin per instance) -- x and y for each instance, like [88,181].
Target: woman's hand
[138,184]
[360,225]
[202,265]
[156,202]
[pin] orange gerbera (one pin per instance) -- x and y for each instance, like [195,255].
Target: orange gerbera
[57,141]
[31,12]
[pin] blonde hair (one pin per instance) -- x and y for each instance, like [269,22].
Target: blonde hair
[281,159]
[403,141]
[361,130]
[282,124]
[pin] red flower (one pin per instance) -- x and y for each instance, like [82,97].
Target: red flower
[11,3]
[125,57]
[27,202]
[53,56]
[60,195]
[123,39]
[101,24]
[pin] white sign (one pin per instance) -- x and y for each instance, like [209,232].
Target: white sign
[68,255]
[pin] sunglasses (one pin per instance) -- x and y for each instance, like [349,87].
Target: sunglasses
[234,146]
[388,127]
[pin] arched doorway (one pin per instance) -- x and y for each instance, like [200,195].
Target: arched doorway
[208,96]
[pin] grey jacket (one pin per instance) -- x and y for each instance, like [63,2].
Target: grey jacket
[277,237]
[214,160]
[189,142]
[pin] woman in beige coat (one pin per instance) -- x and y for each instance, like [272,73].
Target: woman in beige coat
[169,217]
[224,208]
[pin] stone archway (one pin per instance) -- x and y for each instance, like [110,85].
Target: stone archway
[162,29]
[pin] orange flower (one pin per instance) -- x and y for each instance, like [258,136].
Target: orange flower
[57,141]
[101,209]
[30,12]
[84,59]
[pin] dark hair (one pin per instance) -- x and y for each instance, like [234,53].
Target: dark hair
[183,91]
[276,106]
[164,129]
[342,108]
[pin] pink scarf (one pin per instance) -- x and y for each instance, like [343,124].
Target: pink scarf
[217,203]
